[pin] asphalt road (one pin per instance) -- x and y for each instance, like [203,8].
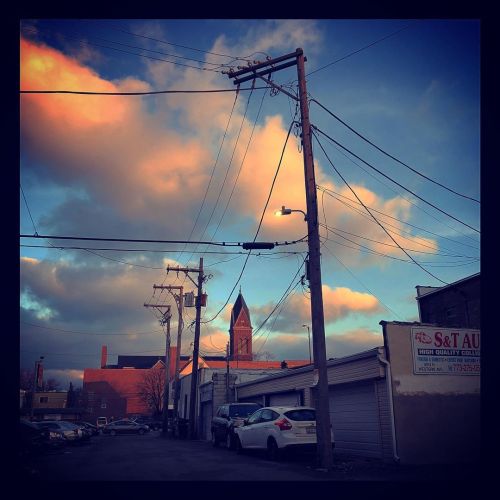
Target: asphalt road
[154,458]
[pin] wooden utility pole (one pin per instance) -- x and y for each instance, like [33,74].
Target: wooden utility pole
[180,304]
[194,366]
[165,320]
[323,428]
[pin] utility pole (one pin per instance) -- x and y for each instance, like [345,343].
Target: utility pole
[165,320]
[323,428]
[37,382]
[227,373]
[194,366]
[180,304]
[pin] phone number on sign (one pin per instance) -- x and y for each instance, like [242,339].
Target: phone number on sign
[465,368]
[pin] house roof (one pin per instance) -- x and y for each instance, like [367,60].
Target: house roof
[376,351]
[145,361]
[432,290]
[245,365]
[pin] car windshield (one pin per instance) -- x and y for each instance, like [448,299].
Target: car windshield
[301,415]
[68,425]
[242,411]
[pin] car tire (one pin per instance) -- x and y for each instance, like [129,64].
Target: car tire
[215,441]
[238,446]
[229,441]
[113,432]
[273,452]
[141,431]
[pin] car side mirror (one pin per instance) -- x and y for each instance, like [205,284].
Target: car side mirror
[245,421]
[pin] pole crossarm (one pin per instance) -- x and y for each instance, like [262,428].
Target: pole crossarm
[265,72]
[269,62]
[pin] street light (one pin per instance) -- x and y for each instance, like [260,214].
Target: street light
[308,341]
[288,211]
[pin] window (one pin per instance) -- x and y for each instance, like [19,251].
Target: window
[255,417]
[242,410]
[268,416]
[301,415]
[44,399]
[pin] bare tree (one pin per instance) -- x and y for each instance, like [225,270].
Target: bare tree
[151,389]
[26,380]
[264,356]
[51,385]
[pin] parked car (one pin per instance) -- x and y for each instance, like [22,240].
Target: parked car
[153,423]
[32,439]
[278,428]
[124,426]
[101,422]
[69,432]
[227,418]
[92,428]
[86,432]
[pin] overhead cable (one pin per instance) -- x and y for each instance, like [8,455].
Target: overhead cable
[393,157]
[376,220]
[395,182]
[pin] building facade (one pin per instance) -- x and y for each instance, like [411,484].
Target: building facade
[456,305]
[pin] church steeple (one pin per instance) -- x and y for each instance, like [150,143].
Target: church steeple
[240,331]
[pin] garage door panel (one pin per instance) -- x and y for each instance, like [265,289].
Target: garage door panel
[285,399]
[355,420]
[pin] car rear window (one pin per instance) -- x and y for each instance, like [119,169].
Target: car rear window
[242,410]
[301,415]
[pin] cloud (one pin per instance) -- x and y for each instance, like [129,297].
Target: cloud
[290,346]
[338,303]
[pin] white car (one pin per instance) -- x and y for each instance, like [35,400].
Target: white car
[276,428]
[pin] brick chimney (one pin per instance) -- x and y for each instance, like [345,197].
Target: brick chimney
[104,356]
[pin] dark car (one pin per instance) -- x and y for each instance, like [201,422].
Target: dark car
[94,431]
[153,423]
[228,417]
[125,426]
[62,430]
[32,440]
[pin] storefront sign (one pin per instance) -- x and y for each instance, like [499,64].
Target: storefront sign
[445,351]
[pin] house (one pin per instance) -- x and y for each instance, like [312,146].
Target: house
[51,405]
[117,391]
[455,305]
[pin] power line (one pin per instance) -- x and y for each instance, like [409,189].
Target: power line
[222,243]
[283,297]
[333,193]
[259,226]
[359,50]
[228,168]
[374,218]
[393,157]
[135,54]
[392,180]
[89,333]
[260,254]
[401,195]
[241,166]
[331,229]
[212,173]
[27,206]
[81,92]
[178,45]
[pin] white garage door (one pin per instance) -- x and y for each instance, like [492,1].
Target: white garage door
[285,399]
[355,420]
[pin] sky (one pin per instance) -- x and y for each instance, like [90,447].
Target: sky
[200,167]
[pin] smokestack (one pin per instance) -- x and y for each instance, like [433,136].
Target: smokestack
[104,356]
